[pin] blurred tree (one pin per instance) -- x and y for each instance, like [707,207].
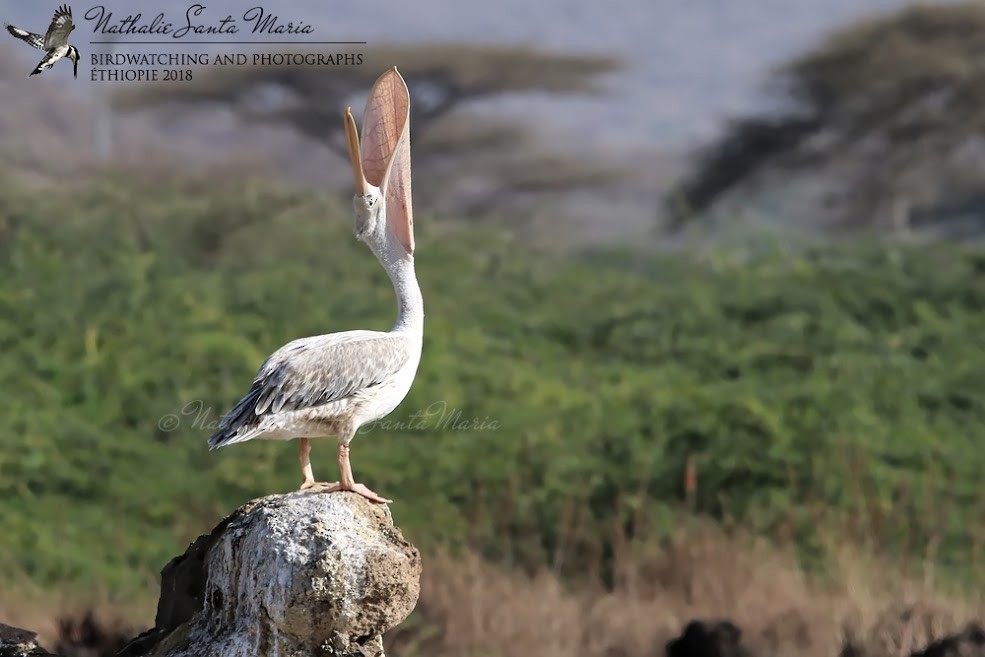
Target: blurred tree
[473,162]
[885,129]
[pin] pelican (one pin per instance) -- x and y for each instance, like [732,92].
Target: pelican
[330,385]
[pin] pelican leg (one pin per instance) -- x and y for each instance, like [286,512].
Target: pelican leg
[307,476]
[348,483]
[304,453]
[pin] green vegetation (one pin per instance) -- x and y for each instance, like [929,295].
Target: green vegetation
[837,388]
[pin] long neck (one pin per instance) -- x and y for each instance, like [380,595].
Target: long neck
[410,304]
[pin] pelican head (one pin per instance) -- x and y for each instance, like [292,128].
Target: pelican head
[381,166]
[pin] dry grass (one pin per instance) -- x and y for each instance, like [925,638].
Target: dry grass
[59,617]
[470,608]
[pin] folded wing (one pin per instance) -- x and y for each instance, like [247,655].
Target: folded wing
[307,374]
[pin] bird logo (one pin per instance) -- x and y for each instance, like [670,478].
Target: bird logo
[54,42]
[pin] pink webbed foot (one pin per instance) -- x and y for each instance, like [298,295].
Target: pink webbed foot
[335,486]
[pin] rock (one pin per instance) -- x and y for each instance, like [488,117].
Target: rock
[970,642]
[15,642]
[708,639]
[284,576]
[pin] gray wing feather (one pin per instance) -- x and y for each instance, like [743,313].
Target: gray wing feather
[46,63]
[314,374]
[310,373]
[61,26]
[31,38]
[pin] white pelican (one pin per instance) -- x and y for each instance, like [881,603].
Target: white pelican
[330,385]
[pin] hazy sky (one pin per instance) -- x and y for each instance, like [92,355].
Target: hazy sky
[691,61]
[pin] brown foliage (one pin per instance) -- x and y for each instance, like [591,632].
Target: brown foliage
[458,70]
[86,636]
[887,122]
[440,79]
[465,162]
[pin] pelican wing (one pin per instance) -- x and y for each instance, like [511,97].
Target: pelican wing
[312,372]
[61,26]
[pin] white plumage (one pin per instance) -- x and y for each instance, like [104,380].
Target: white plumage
[330,385]
[315,386]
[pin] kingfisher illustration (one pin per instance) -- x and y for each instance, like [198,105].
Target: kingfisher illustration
[54,42]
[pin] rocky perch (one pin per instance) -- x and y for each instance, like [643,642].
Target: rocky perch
[15,642]
[304,574]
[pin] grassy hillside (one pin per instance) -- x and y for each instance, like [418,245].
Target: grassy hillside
[555,409]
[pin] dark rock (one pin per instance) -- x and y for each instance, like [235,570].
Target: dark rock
[16,642]
[970,642]
[708,639]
